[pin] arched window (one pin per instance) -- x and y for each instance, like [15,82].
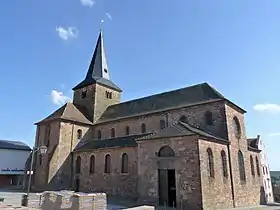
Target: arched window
[241,166]
[143,128]
[266,170]
[252,166]
[78,165]
[162,124]
[112,132]
[79,134]
[183,118]
[210,163]
[263,170]
[166,151]
[127,130]
[258,166]
[47,135]
[99,134]
[124,163]
[92,164]
[236,127]
[208,118]
[40,159]
[107,168]
[224,163]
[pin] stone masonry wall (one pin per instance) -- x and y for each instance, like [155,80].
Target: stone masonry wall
[186,165]
[216,191]
[248,193]
[194,114]
[114,183]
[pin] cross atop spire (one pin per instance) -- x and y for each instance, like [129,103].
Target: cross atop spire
[98,71]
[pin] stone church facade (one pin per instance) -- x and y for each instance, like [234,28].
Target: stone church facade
[187,147]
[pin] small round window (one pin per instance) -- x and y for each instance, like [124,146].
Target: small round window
[236,127]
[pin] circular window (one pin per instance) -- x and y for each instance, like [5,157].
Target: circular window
[236,127]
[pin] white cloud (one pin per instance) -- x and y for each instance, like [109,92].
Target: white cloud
[67,32]
[272,108]
[274,134]
[87,3]
[58,98]
[109,16]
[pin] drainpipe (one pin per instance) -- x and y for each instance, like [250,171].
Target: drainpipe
[71,157]
[166,117]
[231,177]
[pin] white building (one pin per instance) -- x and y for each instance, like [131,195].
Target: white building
[13,156]
[268,191]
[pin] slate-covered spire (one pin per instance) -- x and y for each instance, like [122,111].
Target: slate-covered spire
[98,71]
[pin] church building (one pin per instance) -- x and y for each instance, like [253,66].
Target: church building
[186,148]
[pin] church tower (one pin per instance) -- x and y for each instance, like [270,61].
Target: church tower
[96,92]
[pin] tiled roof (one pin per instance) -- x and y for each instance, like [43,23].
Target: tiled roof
[167,100]
[14,145]
[180,129]
[252,142]
[67,112]
[122,141]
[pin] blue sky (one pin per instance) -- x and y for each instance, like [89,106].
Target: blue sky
[152,46]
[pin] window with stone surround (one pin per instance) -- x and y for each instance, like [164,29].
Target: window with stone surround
[92,164]
[166,151]
[208,118]
[99,134]
[127,130]
[107,168]
[84,94]
[211,163]
[79,134]
[241,167]
[252,165]
[108,95]
[78,165]
[40,159]
[224,164]
[263,171]
[236,128]
[162,124]
[113,132]
[258,166]
[143,128]
[47,135]
[124,163]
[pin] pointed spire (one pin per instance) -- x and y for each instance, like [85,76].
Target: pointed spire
[98,71]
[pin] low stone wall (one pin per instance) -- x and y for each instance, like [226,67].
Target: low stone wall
[68,200]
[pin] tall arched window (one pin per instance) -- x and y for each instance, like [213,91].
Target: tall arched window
[208,118]
[47,135]
[40,159]
[79,134]
[127,130]
[224,163]
[107,168]
[99,134]
[252,166]
[236,127]
[162,124]
[143,128]
[210,163]
[124,163]
[92,164]
[78,165]
[266,170]
[263,170]
[112,132]
[258,166]
[166,151]
[241,166]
